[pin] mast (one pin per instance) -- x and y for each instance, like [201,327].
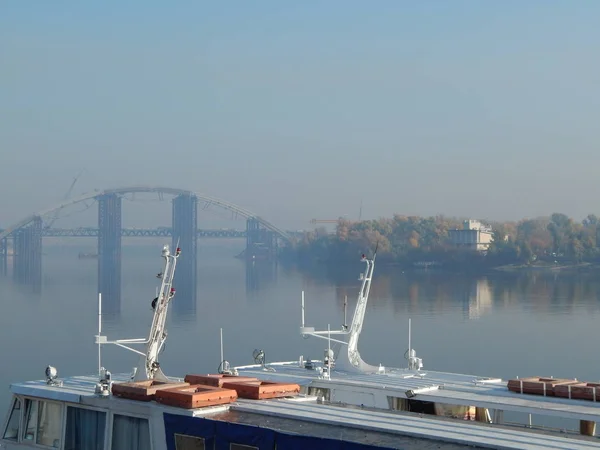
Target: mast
[353,359]
[149,367]
[158,333]
[359,316]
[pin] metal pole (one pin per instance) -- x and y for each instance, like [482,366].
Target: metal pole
[222,358]
[409,348]
[329,351]
[345,310]
[302,309]
[99,332]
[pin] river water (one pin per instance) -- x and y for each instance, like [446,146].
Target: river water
[501,325]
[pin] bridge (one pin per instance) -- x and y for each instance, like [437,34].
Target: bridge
[141,232]
[222,233]
[262,237]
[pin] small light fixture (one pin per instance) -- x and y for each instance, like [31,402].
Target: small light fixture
[51,375]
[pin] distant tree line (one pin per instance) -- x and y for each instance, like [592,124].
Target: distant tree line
[409,240]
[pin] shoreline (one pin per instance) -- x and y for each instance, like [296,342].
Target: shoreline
[463,268]
[547,268]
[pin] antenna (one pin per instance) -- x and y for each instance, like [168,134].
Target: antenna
[414,363]
[345,311]
[104,377]
[409,333]
[360,211]
[329,351]
[302,309]
[222,358]
[224,367]
[99,332]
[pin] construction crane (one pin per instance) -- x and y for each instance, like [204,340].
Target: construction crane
[345,217]
[66,197]
[315,221]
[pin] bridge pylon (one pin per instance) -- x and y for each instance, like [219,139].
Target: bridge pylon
[4,256]
[185,234]
[260,243]
[109,250]
[27,255]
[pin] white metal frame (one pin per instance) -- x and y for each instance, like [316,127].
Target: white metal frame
[353,332]
[148,367]
[354,359]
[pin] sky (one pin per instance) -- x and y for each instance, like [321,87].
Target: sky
[302,110]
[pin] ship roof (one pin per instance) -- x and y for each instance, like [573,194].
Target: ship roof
[304,415]
[389,425]
[432,386]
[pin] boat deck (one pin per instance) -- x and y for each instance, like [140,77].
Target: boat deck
[429,430]
[431,386]
[304,415]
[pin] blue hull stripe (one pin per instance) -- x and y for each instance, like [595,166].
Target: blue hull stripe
[221,434]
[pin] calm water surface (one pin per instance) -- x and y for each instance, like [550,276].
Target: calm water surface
[502,325]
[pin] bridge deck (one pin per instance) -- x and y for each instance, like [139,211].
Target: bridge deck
[139,232]
[144,232]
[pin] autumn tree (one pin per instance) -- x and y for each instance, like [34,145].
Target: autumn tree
[408,239]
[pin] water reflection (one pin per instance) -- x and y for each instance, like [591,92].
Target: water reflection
[111,307]
[479,300]
[431,292]
[481,316]
[260,275]
[184,308]
[419,293]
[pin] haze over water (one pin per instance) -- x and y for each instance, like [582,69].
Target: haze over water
[502,325]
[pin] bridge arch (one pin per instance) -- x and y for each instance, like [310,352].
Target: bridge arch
[158,189]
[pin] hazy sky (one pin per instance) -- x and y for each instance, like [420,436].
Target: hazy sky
[302,109]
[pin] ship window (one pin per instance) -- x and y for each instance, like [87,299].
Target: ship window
[398,403]
[241,447]
[31,409]
[12,428]
[43,423]
[85,429]
[183,442]
[49,423]
[130,433]
[322,393]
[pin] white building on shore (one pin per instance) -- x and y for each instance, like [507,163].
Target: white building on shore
[473,236]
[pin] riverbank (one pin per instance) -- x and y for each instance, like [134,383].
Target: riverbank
[466,267]
[581,267]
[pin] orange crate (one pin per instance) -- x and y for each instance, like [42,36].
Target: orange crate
[259,390]
[215,380]
[142,390]
[580,391]
[538,385]
[195,396]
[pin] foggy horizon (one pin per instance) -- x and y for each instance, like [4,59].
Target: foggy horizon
[300,111]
